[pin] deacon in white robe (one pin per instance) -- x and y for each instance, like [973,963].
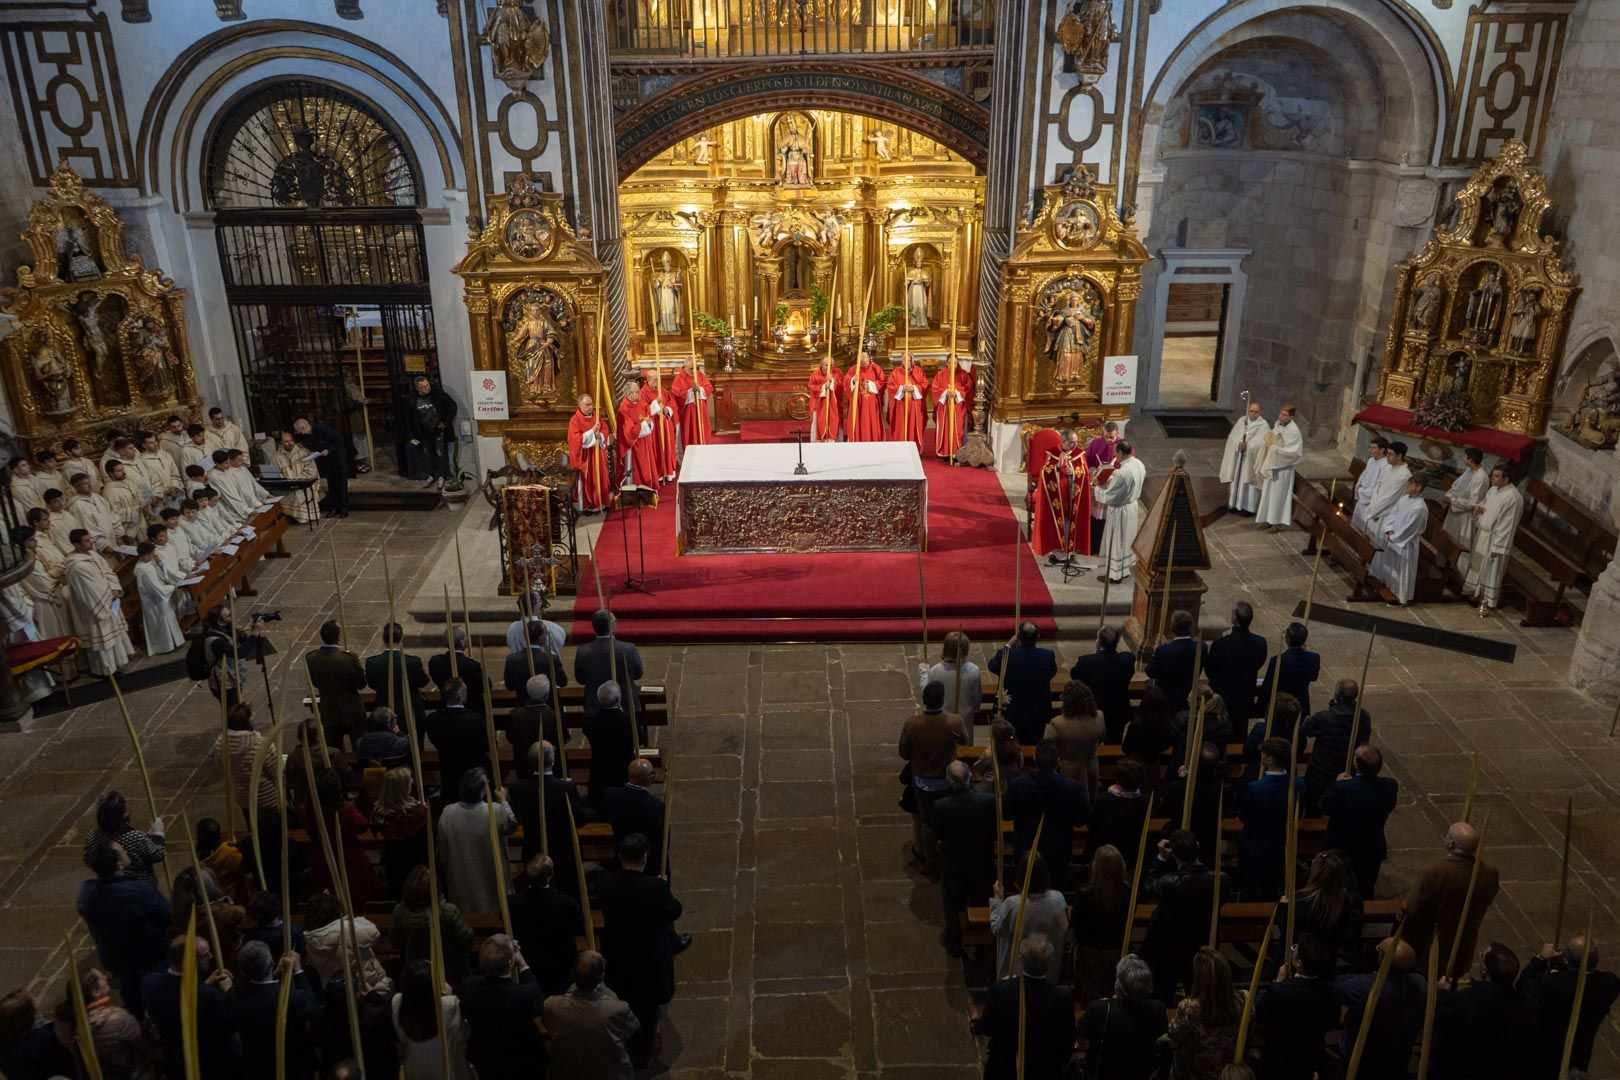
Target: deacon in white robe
[1498,520]
[238,488]
[162,471]
[292,459]
[57,524]
[223,434]
[23,620]
[195,450]
[157,603]
[25,494]
[1279,456]
[1122,495]
[74,463]
[1396,562]
[127,502]
[172,439]
[93,593]
[1387,491]
[95,515]
[48,473]
[1467,491]
[1377,462]
[45,592]
[1238,466]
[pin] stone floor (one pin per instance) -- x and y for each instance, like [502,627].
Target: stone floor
[816,950]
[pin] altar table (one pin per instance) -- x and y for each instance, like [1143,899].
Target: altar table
[733,499]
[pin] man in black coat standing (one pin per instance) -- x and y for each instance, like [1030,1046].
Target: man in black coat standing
[468,670]
[633,809]
[457,733]
[641,945]
[1184,888]
[128,920]
[548,923]
[1108,672]
[254,1003]
[332,463]
[1549,978]
[409,675]
[613,747]
[1172,663]
[430,422]
[537,659]
[964,825]
[594,664]
[500,1002]
[1026,672]
[561,796]
[1047,1015]
[1233,663]
[1295,1013]
[1330,732]
[1357,808]
[1300,668]
[1489,1027]
[338,678]
[1044,794]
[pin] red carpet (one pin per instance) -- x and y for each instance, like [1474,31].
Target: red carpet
[846,596]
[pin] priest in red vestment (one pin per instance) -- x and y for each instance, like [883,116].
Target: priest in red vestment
[1060,505]
[953,397]
[863,412]
[907,390]
[590,449]
[660,405]
[692,390]
[826,401]
[638,453]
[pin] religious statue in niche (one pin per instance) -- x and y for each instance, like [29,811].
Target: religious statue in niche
[1075,225]
[528,235]
[1484,306]
[1504,205]
[880,140]
[98,352]
[831,226]
[75,261]
[535,323]
[1459,368]
[919,287]
[309,176]
[668,289]
[1071,322]
[518,43]
[1219,127]
[795,157]
[1524,320]
[703,149]
[54,378]
[1085,34]
[1426,301]
[1595,423]
[151,354]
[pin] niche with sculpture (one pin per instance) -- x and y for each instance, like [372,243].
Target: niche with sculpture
[666,274]
[1592,391]
[1068,331]
[793,147]
[100,340]
[538,334]
[919,273]
[1489,285]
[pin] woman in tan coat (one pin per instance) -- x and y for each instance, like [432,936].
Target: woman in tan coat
[1077,731]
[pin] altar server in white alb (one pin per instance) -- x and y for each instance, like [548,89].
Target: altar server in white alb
[1284,445]
[1387,491]
[1496,522]
[1377,462]
[1121,495]
[1238,470]
[157,602]
[1396,562]
[23,613]
[1467,492]
[93,593]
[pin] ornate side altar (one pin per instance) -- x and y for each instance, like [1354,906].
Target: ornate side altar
[1068,299]
[1482,311]
[533,292]
[100,343]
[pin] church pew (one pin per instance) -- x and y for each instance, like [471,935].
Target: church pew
[1568,529]
[654,710]
[595,842]
[1109,756]
[1312,835]
[578,758]
[1351,551]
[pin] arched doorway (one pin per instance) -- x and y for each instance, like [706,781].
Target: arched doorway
[316,201]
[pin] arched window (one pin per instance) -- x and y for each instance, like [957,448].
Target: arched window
[315,197]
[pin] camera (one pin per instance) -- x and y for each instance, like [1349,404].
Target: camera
[265,616]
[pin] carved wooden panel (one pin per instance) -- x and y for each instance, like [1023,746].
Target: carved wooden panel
[68,104]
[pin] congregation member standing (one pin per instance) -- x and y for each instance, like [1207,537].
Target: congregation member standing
[471,673]
[1029,1021]
[954,668]
[1233,665]
[1294,1014]
[1356,808]
[1240,465]
[1108,672]
[604,657]
[1487,1027]
[641,951]
[1026,671]
[409,676]
[1175,661]
[1329,732]
[590,454]
[1280,453]
[928,743]
[964,826]
[338,678]
[1434,906]
[1299,668]
[432,430]
[591,1028]
[473,882]
[501,1001]
[1046,795]
[1550,978]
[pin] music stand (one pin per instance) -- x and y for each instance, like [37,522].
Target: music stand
[638,497]
[799,434]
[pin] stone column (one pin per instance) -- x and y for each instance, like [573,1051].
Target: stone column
[1595,664]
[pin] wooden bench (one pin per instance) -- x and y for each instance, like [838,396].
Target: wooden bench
[1569,529]
[578,759]
[1312,835]
[595,843]
[1347,548]
[653,712]
[1110,756]
[224,572]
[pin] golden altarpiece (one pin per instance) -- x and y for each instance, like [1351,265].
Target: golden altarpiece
[1482,311]
[1068,299]
[100,340]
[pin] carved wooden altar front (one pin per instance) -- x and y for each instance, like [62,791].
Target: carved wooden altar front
[1482,311]
[1068,299]
[100,343]
[533,292]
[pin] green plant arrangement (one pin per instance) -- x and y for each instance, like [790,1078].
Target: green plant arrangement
[819,303]
[711,325]
[781,314]
[884,318]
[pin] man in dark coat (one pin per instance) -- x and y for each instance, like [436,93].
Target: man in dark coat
[1263,809]
[1295,1013]
[1108,672]
[613,747]
[1397,1020]
[332,464]
[468,670]
[1045,793]
[254,1003]
[1232,664]
[1174,661]
[1329,732]
[531,722]
[633,809]
[1208,800]
[1489,1027]
[548,923]
[500,1002]
[128,921]
[338,679]
[1117,814]
[1026,672]
[218,1051]
[1184,889]
[1300,668]
[409,675]
[964,826]
[537,659]
[1356,809]
[1549,978]
[430,423]
[594,664]
[561,795]
[1047,1014]
[1449,898]
[641,943]
[458,734]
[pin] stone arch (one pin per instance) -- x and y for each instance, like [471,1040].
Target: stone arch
[215,70]
[887,94]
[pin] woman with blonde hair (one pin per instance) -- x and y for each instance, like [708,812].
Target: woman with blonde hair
[954,667]
[1203,1035]
[401,819]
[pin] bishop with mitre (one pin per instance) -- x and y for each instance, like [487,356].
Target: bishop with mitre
[1060,505]
[906,387]
[638,453]
[826,411]
[863,387]
[1396,562]
[1498,520]
[1283,447]
[660,408]
[589,446]
[953,396]
[692,390]
[1238,470]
